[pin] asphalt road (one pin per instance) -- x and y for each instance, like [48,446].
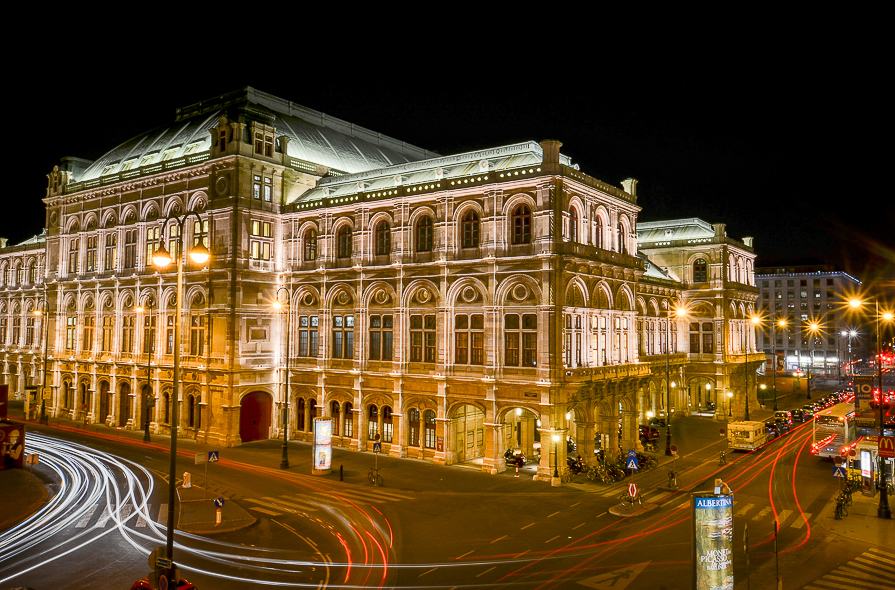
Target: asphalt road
[429,526]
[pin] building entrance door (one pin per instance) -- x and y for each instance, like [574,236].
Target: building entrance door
[469,433]
[254,416]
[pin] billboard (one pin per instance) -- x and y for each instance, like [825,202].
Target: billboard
[865,416]
[323,445]
[712,541]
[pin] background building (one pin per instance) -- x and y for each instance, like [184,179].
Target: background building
[450,306]
[803,296]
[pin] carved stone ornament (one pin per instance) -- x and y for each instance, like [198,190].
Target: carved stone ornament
[222,185]
[343,298]
[381,297]
[423,295]
[308,300]
[469,295]
[520,292]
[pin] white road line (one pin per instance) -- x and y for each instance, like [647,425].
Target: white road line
[103,518]
[465,554]
[428,572]
[521,554]
[486,571]
[141,522]
[800,521]
[762,513]
[744,509]
[579,526]
[526,526]
[553,539]
[82,522]
[498,539]
[554,514]
[298,505]
[782,516]
[162,514]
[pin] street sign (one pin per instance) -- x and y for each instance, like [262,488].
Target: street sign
[32,459]
[200,458]
[163,563]
[632,463]
[219,502]
[674,448]
[377,447]
[632,490]
[887,446]
[214,456]
[839,471]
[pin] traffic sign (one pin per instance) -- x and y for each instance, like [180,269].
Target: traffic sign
[632,463]
[163,563]
[632,490]
[887,446]
[632,453]
[214,456]
[839,471]
[200,458]
[377,447]
[219,502]
[674,448]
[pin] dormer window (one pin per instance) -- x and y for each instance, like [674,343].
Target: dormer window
[128,165]
[147,159]
[108,169]
[169,154]
[192,148]
[264,144]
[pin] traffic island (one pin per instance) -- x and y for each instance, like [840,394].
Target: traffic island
[202,514]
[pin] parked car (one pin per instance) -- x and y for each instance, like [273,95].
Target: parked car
[772,428]
[511,456]
[808,410]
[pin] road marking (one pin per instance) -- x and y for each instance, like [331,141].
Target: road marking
[800,522]
[575,504]
[103,518]
[465,554]
[579,526]
[498,539]
[553,539]
[602,513]
[867,570]
[292,504]
[526,526]
[762,513]
[782,516]
[486,571]
[554,514]
[521,554]
[141,522]
[428,572]
[82,522]
[162,514]
[744,509]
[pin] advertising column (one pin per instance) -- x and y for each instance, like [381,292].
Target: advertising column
[712,541]
[323,446]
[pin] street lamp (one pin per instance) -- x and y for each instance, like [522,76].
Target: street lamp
[161,258]
[149,345]
[882,510]
[729,404]
[287,309]
[782,324]
[555,455]
[813,329]
[679,312]
[46,334]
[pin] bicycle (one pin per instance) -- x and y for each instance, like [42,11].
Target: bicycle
[628,500]
[374,477]
[672,479]
[566,476]
[841,510]
[723,459]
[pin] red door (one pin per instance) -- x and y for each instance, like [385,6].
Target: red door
[254,416]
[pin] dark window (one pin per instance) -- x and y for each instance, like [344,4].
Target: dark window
[308,335]
[573,225]
[413,419]
[429,419]
[381,338]
[344,239]
[424,235]
[521,225]
[343,337]
[470,228]
[520,340]
[383,239]
[700,271]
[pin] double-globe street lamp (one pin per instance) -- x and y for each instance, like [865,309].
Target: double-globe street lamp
[813,329]
[781,323]
[148,343]
[162,258]
[679,311]
[882,510]
[287,309]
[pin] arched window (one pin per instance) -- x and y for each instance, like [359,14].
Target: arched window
[335,412]
[373,419]
[311,245]
[413,419]
[622,239]
[349,420]
[470,230]
[700,271]
[573,225]
[191,412]
[429,418]
[383,239]
[598,232]
[425,233]
[386,424]
[521,219]
[312,413]
[344,239]
[166,400]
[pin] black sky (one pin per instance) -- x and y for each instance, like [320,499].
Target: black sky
[776,150]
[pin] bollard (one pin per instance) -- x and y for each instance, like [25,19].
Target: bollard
[186,480]
[218,518]
[517,470]
[341,474]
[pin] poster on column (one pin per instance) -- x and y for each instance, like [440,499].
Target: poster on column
[323,446]
[712,541]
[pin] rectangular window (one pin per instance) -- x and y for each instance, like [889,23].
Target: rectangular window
[91,253]
[130,248]
[268,190]
[108,333]
[29,331]
[469,344]
[200,231]
[16,330]
[89,325]
[111,251]
[2,330]
[260,248]
[127,335]
[422,339]
[524,332]
[149,324]
[381,338]
[73,255]
[152,239]
[256,187]
[343,337]
[71,330]
[169,335]
[307,336]
[197,334]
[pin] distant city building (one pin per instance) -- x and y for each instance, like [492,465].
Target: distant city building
[802,296]
[450,307]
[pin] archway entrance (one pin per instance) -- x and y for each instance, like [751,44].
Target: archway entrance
[124,404]
[254,416]
[520,430]
[468,428]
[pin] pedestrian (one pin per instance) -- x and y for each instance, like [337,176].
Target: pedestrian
[341,474]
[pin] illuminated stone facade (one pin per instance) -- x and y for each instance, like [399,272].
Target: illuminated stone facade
[452,306]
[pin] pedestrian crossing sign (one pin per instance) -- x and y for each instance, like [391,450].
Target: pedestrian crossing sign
[839,471]
[214,456]
[632,463]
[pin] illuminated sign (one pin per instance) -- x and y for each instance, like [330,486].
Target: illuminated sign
[323,445]
[712,541]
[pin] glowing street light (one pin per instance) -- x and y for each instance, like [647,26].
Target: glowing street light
[680,311]
[46,332]
[813,329]
[199,254]
[287,309]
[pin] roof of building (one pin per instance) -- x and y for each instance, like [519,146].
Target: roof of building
[313,136]
[443,169]
[674,229]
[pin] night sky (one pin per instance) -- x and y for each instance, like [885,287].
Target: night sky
[775,154]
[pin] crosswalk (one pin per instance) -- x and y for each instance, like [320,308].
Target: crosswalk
[872,570]
[103,516]
[293,504]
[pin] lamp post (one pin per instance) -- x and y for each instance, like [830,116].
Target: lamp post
[882,510]
[555,455]
[729,404]
[813,329]
[782,324]
[287,309]
[679,312]
[148,344]
[755,321]
[46,334]
[200,254]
